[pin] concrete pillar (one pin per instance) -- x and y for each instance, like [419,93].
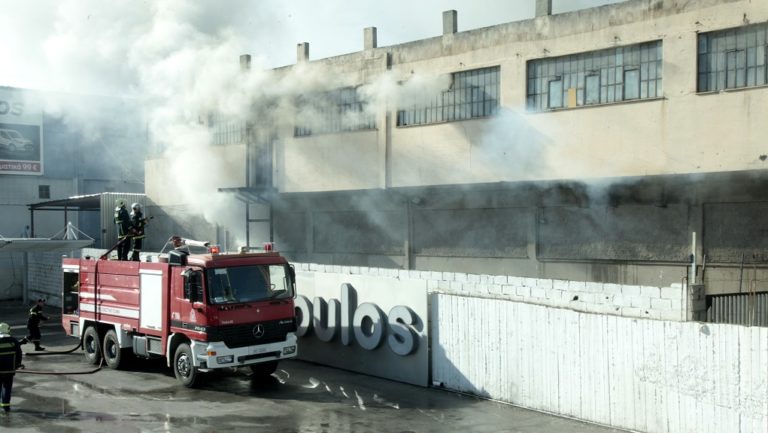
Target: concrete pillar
[369,38]
[302,52]
[696,302]
[543,7]
[245,62]
[450,22]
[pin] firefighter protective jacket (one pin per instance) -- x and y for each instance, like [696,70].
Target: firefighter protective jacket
[123,221]
[35,315]
[10,354]
[137,224]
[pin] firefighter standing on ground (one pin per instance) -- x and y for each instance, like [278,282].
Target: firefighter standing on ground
[137,230]
[123,222]
[33,325]
[10,361]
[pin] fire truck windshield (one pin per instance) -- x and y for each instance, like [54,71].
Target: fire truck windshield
[248,284]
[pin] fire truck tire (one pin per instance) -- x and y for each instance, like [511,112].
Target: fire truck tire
[183,366]
[113,354]
[92,346]
[263,369]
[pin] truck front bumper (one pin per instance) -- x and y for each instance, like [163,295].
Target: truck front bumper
[210,355]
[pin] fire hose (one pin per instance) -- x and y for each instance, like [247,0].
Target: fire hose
[59,373]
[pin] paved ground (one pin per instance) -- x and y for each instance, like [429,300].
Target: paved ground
[299,397]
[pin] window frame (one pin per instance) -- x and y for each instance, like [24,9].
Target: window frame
[732,58]
[605,71]
[336,105]
[472,94]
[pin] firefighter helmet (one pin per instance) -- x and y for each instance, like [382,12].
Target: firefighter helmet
[4,328]
[119,202]
[136,206]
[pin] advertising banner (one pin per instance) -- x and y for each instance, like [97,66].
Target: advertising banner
[370,324]
[21,136]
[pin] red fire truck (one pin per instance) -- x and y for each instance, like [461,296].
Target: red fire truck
[200,311]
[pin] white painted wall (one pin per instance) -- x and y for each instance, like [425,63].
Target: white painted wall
[646,375]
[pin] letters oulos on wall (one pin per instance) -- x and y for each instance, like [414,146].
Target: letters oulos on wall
[21,143]
[374,325]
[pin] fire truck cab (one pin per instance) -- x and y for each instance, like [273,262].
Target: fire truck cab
[200,311]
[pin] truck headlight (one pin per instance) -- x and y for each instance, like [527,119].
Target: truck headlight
[289,350]
[225,359]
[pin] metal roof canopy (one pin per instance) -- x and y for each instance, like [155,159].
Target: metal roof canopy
[90,202]
[99,202]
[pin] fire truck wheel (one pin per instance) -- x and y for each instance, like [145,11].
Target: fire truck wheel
[183,366]
[112,352]
[92,345]
[263,369]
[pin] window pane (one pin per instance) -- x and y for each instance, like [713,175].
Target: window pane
[555,94]
[631,84]
[592,89]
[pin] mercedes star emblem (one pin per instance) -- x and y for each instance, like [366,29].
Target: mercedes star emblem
[258,331]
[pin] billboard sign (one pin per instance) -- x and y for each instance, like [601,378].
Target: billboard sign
[21,135]
[370,324]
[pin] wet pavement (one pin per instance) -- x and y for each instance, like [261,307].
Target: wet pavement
[299,397]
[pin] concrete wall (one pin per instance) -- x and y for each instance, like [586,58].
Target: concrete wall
[44,277]
[638,232]
[667,303]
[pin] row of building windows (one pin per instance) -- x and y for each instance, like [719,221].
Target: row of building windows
[597,77]
[727,59]
[733,58]
[472,94]
[334,111]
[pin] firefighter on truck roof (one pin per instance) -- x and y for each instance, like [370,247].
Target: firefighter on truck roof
[123,222]
[137,230]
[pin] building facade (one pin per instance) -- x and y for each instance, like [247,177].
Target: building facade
[619,144]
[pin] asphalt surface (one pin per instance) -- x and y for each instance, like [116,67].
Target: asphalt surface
[299,397]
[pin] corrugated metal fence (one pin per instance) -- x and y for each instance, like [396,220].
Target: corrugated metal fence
[749,309]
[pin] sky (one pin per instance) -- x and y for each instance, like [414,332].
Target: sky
[90,45]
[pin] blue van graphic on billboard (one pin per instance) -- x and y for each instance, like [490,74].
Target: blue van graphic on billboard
[21,150]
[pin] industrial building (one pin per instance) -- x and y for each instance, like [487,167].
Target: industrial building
[612,144]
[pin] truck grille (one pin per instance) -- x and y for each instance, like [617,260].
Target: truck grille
[244,335]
